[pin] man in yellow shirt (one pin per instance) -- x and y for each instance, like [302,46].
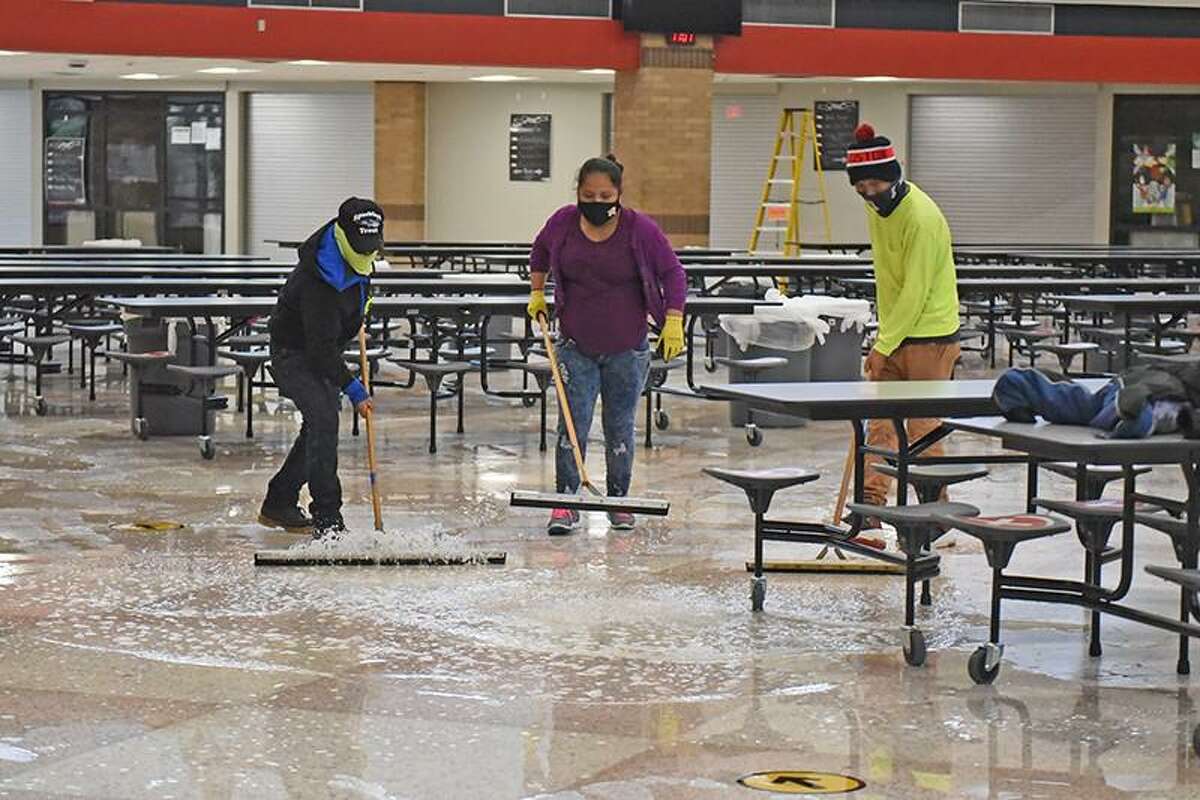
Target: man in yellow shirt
[916,293]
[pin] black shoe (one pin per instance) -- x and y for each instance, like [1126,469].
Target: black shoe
[291,518]
[328,527]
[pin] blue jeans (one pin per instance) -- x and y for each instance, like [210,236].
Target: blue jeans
[1024,393]
[618,380]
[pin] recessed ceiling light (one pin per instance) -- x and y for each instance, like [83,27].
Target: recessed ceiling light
[878,78]
[500,78]
[143,76]
[597,71]
[309,62]
[13,53]
[226,71]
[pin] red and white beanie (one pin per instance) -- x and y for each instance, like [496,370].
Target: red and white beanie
[871,156]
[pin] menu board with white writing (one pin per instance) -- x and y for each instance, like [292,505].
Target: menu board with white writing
[66,182]
[836,121]
[529,147]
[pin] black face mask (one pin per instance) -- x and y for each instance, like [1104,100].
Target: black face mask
[885,202]
[599,213]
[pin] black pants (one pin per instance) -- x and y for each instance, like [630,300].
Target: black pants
[313,458]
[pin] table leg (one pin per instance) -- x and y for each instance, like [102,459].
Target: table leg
[860,439]
[1091,564]
[1188,561]
[1128,342]
[1031,485]
[992,329]
[691,360]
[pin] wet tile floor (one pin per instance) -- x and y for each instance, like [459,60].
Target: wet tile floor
[603,666]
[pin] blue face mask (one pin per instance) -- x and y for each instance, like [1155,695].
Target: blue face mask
[886,201]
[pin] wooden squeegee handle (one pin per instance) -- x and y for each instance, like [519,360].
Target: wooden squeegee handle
[365,375]
[563,406]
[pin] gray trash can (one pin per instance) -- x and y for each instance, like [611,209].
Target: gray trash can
[797,370]
[166,405]
[840,357]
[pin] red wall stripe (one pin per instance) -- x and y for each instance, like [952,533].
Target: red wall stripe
[853,52]
[215,32]
[58,26]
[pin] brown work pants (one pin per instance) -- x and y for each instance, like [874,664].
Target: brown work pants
[909,362]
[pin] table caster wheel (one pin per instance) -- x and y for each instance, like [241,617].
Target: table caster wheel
[141,428]
[758,593]
[914,647]
[984,664]
[207,449]
[753,435]
[528,401]
[662,420]
[39,407]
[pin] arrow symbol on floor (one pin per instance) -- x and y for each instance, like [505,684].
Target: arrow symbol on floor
[806,783]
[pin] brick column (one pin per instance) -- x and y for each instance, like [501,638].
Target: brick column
[663,136]
[400,158]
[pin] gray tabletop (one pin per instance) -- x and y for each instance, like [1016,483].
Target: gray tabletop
[862,271]
[1132,303]
[249,271]
[813,260]
[999,285]
[1088,256]
[119,257]
[1080,443]
[162,306]
[82,249]
[850,400]
[90,286]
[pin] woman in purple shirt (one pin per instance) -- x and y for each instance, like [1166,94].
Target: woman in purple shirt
[612,268]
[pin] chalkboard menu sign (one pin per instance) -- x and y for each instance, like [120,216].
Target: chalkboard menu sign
[65,178]
[836,121]
[529,147]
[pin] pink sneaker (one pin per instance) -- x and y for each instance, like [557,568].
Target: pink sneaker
[620,520]
[562,521]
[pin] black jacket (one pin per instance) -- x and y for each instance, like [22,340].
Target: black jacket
[1140,385]
[320,309]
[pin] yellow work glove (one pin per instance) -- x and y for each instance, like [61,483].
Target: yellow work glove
[670,341]
[537,304]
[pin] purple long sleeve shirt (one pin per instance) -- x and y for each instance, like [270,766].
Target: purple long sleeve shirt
[580,287]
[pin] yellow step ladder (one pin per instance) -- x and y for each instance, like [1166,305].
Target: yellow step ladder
[780,217]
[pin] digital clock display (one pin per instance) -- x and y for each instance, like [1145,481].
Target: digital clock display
[681,39]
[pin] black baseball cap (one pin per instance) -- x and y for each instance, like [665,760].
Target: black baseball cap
[362,221]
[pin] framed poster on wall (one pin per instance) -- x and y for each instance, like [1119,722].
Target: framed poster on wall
[529,147]
[1154,178]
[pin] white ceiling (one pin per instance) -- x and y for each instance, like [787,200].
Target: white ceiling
[57,67]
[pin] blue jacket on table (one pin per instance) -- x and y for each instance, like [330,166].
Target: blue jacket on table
[1140,402]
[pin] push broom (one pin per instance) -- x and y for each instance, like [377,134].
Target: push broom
[321,554]
[595,500]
